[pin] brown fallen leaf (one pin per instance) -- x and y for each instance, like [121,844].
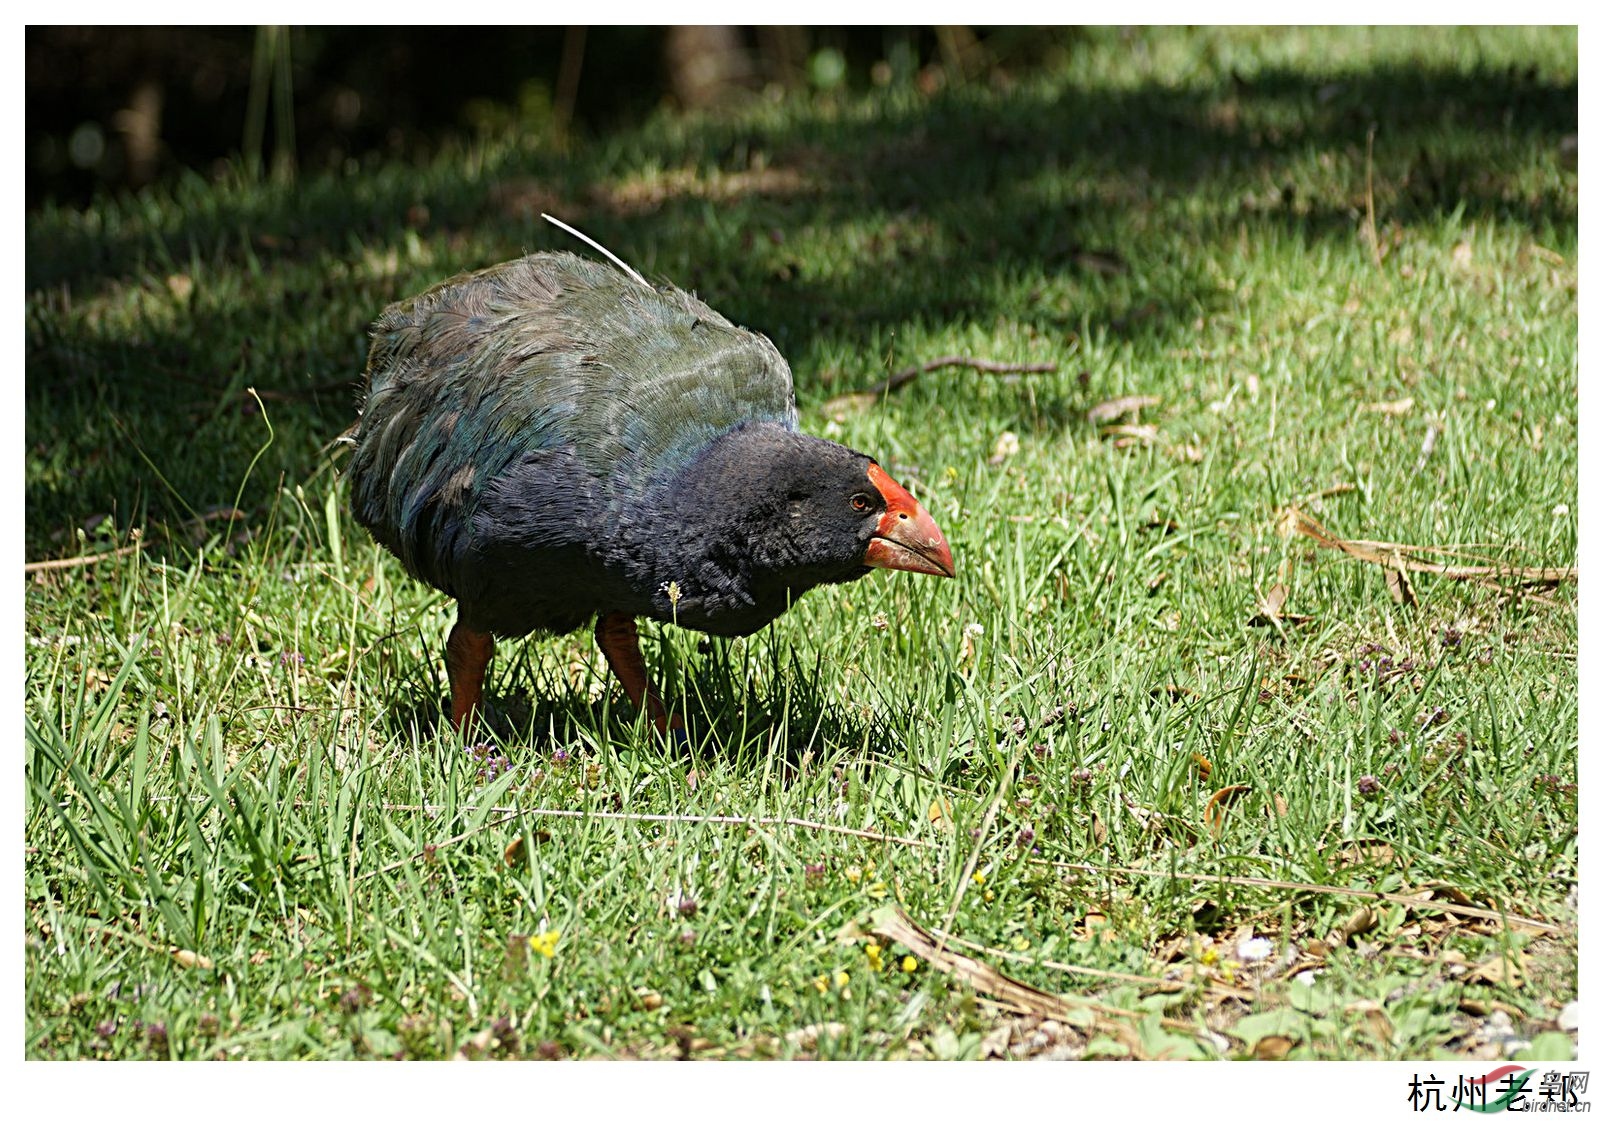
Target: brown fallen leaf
[1477,1007]
[1112,410]
[1360,922]
[190,959]
[1213,814]
[486,1042]
[689,1041]
[1398,585]
[808,1036]
[939,811]
[1375,1022]
[993,1046]
[1369,850]
[1502,970]
[1127,435]
[1005,448]
[1176,692]
[1271,608]
[1204,767]
[1445,892]
[1273,1047]
[1101,261]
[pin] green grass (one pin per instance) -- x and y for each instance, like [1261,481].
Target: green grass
[247,837]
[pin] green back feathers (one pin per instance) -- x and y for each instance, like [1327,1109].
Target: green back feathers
[548,351]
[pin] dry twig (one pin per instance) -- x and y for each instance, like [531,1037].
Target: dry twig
[73,563]
[866,397]
[893,924]
[1394,556]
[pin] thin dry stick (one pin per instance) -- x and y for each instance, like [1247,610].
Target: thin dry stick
[895,925]
[88,559]
[1386,555]
[901,377]
[1325,889]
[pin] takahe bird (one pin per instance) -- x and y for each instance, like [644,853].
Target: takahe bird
[554,439]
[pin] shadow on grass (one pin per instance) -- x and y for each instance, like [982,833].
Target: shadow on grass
[729,715]
[964,210]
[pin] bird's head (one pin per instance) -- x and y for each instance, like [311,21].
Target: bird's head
[764,513]
[837,513]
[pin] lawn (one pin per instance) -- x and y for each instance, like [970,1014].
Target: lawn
[1248,727]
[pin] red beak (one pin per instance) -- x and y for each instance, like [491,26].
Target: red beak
[907,537]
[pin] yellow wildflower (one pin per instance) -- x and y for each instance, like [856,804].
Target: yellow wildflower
[909,964]
[877,889]
[876,960]
[545,943]
[821,983]
[841,978]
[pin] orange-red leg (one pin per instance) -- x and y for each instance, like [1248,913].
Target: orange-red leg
[467,656]
[620,644]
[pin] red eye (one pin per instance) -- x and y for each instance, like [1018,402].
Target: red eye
[861,502]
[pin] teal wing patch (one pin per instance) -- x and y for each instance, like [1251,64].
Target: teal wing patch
[548,351]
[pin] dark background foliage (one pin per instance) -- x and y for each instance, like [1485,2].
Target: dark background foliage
[113,108]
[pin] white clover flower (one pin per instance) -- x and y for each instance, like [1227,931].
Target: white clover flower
[1254,949]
